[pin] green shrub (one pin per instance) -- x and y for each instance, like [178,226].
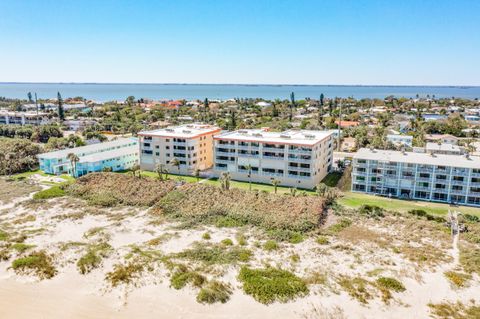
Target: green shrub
[371,211]
[183,276]
[38,263]
[3,235]
[472,218]
[93,258]
[214,291]
[286,235]
[52,192]
[21,247]
[270,245]
[227,242]
[458,279]
[356,287]
[215,254]
[124,274]
[339,226]
[206,236]
[228,221]
[271,284]
[241,240]
[323,240]
[391,284]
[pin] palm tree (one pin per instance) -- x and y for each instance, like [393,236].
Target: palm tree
[249,169]
[197,174]
[175,162]
[275,183]
[73,158]
[134,169]
[165,171]
[225,180]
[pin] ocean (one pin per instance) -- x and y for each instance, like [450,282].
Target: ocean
[109,92]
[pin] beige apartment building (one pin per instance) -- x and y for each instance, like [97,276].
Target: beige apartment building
[294,158]
[190,144]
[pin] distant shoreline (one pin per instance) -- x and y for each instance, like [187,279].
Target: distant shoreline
[253,84]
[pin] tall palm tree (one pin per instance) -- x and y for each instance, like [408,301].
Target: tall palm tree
[175,162]
[275,183]
[73,158]
[249,169]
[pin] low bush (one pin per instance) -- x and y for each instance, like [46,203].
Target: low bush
[455,310]
[270,284]
[283,235]
[214,291]
[458,279]
[109,189]
[270,245]
[52,192]
[215,254]
[38,263]
[356,287]
[206,236]
[371,211]
[124,274]
[21,247]
[227,242]
[338,227]
[386,285]
[93,258]
[323,240]
[183,276]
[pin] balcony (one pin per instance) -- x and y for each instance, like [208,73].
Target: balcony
[272,174]
[248,155]
[224,153]
[458,182]
[300,160]
[298,176]
[273,149]
[273,157]
[300,169]
[246,171]
[224,161]
[221,168]
[299,151]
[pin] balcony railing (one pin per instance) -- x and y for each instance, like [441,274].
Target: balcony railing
[249,155]
[273,157]
[273,174]
[300,169]
[298,176]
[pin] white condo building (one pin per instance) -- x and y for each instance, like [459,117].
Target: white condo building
[23,118]
[190,144]
[432,177]
[295,158]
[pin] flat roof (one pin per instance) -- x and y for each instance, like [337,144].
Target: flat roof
[300,137]
[96,157]
[443,147]
[183,131]
[92,148]
[418,158]
[408,137]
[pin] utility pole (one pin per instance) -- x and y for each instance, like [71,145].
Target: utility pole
[339,126]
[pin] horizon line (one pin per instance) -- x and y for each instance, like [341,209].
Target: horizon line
[246,84]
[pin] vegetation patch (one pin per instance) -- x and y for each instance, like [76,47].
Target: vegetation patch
[205,204]
[470,258]
[38,263]
[458,279]
[93,258]
[457,310]
[52,192]
[110,189]
[386,285]
[21,247]
[214,291]
[215,254]
[356,287]
[270,284]
[183,276]
[124,273]
[270,245]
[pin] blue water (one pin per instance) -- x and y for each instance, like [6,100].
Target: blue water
[108,92]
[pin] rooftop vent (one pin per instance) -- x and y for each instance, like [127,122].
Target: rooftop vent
[242,131]
[187,131]
[285,136]
[309,136]
[257,134]
[169,130]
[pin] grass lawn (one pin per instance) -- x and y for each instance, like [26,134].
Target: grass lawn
[26,175]
[355,200]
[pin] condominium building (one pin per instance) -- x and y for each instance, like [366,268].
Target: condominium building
[294,158]
[117,155]
[191,145]
[398,139]
[23,118]
[432,177]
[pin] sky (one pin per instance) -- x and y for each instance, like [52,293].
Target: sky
[365,42]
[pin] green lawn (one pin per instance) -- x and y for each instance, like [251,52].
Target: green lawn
[355,200]
[26,175]
[186,178]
